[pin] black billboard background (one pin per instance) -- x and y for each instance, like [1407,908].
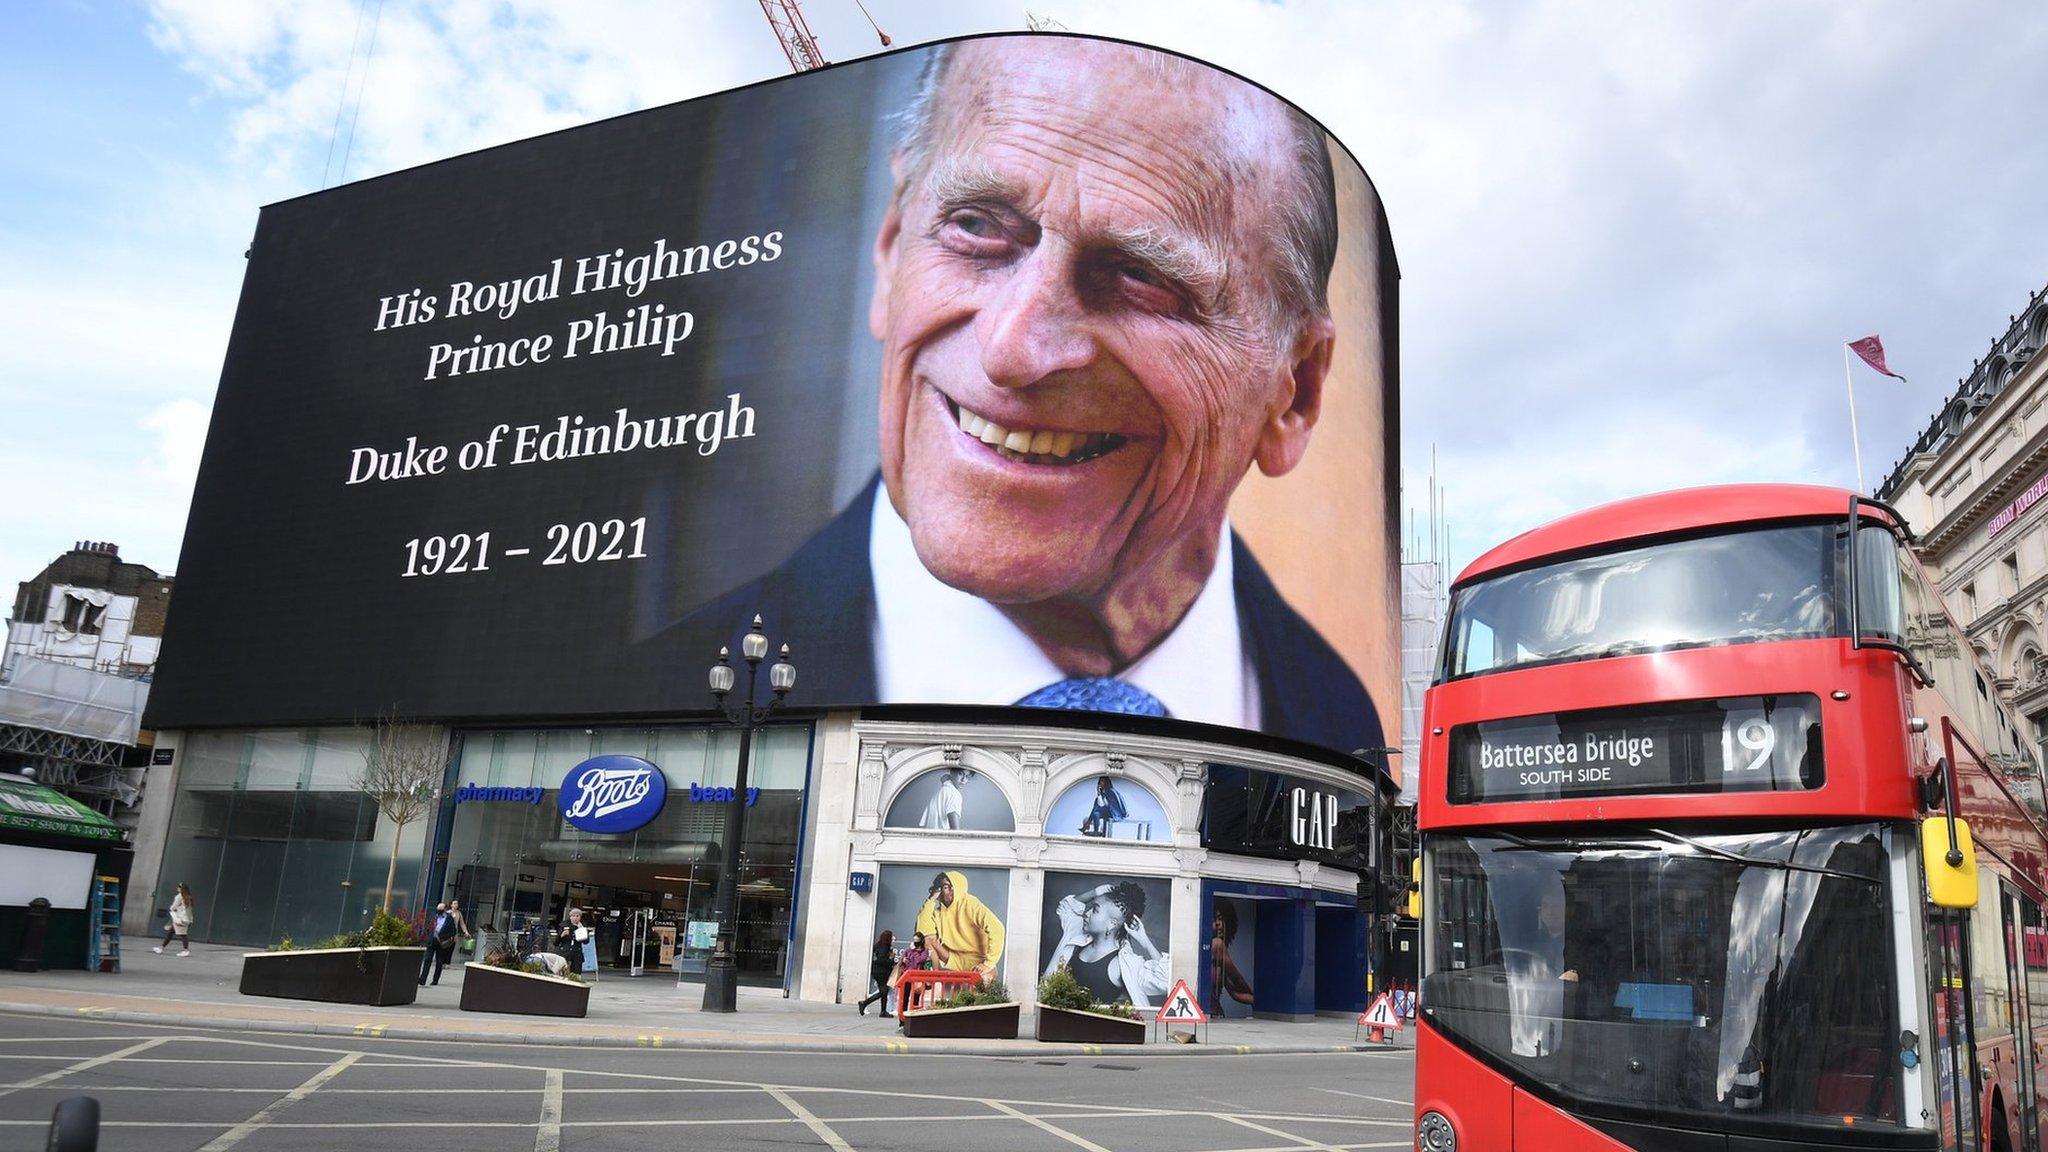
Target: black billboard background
[1246,811]
[291,607]
[278,549]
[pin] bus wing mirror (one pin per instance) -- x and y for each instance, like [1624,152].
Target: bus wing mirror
[1950,857]
[1415,889]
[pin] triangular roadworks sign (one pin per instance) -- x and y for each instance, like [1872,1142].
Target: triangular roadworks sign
[1180,1007]
[1381,1014]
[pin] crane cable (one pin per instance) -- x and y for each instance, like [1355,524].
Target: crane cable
[349,148]
[342,105]
[871,23]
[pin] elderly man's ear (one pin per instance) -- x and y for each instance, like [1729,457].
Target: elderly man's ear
[1293,416]
[885,258]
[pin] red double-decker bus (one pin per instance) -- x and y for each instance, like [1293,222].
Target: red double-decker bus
[1700,777]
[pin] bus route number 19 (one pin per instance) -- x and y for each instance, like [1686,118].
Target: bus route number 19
[1747,743]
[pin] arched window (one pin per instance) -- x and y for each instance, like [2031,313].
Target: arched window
[1110,808]
[951,799]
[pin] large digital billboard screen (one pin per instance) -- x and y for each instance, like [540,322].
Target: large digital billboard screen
[1015,369]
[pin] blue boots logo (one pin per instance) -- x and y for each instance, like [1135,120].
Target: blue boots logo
[613,794]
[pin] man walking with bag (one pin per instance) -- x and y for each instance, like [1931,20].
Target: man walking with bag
[441,937]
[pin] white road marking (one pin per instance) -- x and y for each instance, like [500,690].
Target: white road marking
[1299,1141]
[82,1065]
[785,1094]
[1037,1122]
[818,1127]
[246,1128]
[1363,1096]
[65,1039]
[548,1136]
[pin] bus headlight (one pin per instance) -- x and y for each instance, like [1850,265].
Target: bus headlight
[1435,1134]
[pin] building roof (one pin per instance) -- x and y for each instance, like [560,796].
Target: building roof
[1662,514]
[2025,334]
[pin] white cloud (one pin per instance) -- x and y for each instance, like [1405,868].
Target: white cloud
[180,430]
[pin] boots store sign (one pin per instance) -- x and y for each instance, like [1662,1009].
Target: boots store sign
[613,794]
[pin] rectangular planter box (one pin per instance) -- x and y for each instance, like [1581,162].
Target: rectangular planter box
[1063,1026]
[488,989]
[381,976]
[982,1022]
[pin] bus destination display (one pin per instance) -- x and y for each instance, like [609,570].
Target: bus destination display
[1745,744]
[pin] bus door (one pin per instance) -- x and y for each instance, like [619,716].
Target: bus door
[1952,1050]
[2026,1110]
[2034,952]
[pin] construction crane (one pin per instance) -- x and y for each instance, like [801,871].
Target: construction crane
[786,17]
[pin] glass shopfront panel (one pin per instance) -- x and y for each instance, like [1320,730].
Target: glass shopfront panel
[650,893]
[275,841]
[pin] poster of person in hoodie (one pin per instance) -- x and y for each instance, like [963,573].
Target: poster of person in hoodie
[959,911]
[1111,933]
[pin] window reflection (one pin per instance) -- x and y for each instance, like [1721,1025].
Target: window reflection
[1649,972]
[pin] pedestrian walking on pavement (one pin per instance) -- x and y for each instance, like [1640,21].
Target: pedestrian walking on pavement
[441,936]
[917,957]
[882,971]
[180,925]
[583,943]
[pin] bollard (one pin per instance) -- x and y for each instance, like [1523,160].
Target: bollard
[35,928]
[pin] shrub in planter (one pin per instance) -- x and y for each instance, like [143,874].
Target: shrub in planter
[982,1012]
[378,965]
[1069,1014]
[503,982]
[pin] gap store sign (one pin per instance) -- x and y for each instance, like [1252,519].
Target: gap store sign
[612,794]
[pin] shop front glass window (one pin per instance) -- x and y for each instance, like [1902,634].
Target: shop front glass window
[1721,977]
[526,866]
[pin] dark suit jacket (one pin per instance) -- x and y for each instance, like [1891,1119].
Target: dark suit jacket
[826,591]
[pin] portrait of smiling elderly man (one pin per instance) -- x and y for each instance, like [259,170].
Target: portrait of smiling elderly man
[1101,296]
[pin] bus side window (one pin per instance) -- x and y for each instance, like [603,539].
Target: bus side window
[1480,650]
[1881,571]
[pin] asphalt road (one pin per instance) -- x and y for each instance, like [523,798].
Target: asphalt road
[168,1089]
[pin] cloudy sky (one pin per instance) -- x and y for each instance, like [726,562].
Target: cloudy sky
[1633,237]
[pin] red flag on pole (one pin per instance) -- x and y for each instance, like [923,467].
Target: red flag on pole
[1871,350]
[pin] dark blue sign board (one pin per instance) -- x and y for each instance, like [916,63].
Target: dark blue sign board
[613,794]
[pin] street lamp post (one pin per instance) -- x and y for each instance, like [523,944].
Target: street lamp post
[721,974]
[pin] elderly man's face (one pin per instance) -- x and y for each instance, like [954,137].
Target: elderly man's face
[1085,264]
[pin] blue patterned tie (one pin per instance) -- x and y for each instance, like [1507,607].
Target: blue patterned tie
[1096,694]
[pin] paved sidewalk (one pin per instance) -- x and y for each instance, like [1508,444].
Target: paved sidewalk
[651,1011]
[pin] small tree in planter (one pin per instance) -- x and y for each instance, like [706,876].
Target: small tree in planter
[1070,1014]
[402,767]
[506,982]
[982,1012]
[377,965]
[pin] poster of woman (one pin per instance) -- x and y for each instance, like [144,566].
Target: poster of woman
[1108,931]
[1109,808]
[1232,959]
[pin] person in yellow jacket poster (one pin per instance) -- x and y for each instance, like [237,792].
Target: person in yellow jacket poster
[963,934]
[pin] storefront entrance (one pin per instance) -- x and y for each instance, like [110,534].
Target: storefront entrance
[517,867]
[646,915]
[1280,953]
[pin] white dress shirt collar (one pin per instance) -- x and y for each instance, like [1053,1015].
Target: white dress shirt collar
[935,644]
